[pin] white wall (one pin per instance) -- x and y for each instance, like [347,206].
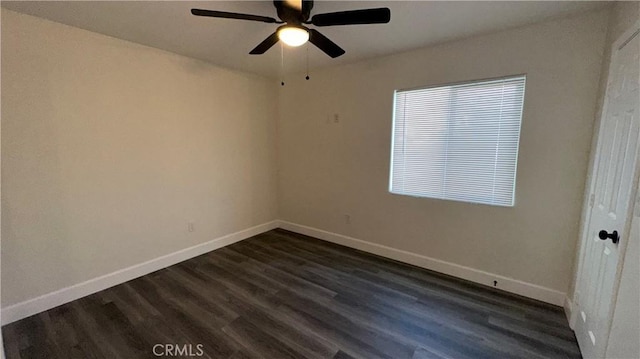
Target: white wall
[327,170]
[109,148]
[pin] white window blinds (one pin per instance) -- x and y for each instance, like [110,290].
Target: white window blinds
[458,142]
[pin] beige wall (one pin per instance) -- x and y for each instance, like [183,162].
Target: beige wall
[625,330]
[327,170]
[109,148]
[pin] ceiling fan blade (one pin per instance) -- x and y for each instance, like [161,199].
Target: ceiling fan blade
[265,45]
[232,15]
[323,43]
[307,5]
[354,17]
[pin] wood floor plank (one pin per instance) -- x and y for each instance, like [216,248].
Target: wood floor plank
[258,341]
[342,320]
[284,295]
[287,331]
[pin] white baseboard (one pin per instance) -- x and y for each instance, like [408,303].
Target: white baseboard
[570,312]
[511,285]
[51,300]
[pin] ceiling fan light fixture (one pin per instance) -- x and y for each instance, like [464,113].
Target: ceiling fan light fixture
[295,13]
[293,35]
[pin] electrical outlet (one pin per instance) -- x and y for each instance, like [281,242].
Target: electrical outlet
[336,118]
[347,219]
[191,226]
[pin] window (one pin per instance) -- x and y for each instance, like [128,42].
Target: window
[458,142]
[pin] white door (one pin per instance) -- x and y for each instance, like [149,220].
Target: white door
[615,176]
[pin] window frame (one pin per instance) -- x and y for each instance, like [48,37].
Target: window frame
[451,84]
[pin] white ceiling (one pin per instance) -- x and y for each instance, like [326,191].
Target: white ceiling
[168,25]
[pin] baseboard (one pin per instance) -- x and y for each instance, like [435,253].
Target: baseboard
[570,311]
[507,284]
[51,300]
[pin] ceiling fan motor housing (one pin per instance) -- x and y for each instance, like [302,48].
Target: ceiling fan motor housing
[292,15]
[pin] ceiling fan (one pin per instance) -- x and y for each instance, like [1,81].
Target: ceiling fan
[295,15]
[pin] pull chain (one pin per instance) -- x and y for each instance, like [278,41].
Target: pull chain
[307,77]
[281,64]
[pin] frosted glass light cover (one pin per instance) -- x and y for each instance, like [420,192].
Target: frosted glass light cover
[293,36]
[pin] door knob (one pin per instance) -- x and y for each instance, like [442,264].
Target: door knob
[615,238]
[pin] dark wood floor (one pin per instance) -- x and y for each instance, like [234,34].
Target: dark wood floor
[283,295]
